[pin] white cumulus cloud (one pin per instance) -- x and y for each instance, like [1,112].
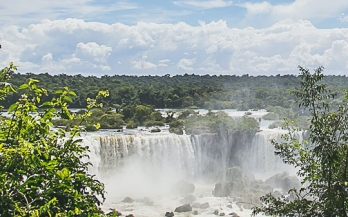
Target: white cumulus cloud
[143,64]
[74,46]
[298,9]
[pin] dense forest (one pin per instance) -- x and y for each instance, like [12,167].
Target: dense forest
[135,98]
[180,91]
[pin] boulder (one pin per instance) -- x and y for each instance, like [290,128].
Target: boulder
[216,212]
[204,205]
[233,214]
[183,208]
[184,188]
[222,189]
[195,212]
[222,214]
[127,200]
[169,214]
[284,181]
[130,215]
[225,189]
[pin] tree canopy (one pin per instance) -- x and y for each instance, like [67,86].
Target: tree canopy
[321,160]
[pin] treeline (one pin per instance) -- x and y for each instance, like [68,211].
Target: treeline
[180,91]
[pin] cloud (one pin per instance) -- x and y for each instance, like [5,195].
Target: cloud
[298,9]
[343,18]
[204,4]
[91,50]
[42,9]
[74,46]
[143,64]
[163,63]
[186,64]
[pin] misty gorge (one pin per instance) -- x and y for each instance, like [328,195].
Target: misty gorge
[229,171]
[181,108]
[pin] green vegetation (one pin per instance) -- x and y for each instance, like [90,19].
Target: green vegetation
[277,113]
[126,93]
[139,115]
[212,123]
[322,160]
[42,171]
[180,91]
[129,95]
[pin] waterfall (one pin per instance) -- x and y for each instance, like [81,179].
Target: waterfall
[170,156]
[164,153]
[259,159]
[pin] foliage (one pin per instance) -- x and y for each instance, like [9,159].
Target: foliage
[217,123]
[271,116]
[179,91]
[42,170]
[107,119]
[322,160]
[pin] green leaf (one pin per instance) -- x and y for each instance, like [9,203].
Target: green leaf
[12,107]
[67,98]
[23,86]
[58,92]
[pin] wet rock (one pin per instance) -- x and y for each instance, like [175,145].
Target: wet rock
[216,212]
[222,214]
[233,214]
[284,181]
[204,205]
[195,212]
[127,200]
[188,199]
[155,130]
[222,189]
[229,206]
[184,188]
[183,208]
[169,214]
[130,215]
[196,205]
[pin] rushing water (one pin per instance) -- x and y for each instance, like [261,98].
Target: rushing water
[147,164]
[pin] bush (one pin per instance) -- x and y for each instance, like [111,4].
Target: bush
[271,116]
[41,170]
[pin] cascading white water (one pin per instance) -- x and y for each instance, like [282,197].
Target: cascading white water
[184,156]
[259,158]
[163,152]
[148,164]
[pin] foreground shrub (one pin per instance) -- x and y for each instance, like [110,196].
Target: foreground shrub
[42,171]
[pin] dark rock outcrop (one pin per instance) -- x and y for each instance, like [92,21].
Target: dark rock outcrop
[183,208]
[169,214]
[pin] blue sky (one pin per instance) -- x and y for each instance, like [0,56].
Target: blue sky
[174,36]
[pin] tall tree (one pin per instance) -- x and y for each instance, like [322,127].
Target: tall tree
[321,160]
